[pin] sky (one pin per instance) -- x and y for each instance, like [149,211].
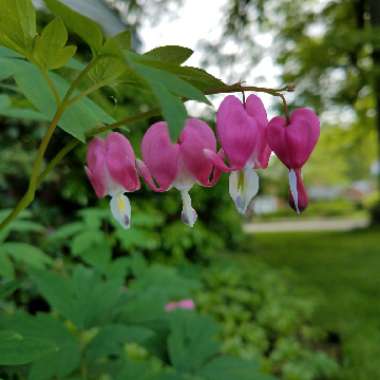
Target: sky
[200,20]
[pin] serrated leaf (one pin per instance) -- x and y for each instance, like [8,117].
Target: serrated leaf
[84,27]
[191,336]
[170,53]
[17,25]
[85,298]
[50,49]
[18,349]
[65,356]
[111,340]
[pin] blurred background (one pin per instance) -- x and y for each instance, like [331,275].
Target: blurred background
[299,293]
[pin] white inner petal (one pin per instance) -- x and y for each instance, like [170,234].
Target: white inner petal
[121,209]
[243,187]
[293,188]
[188,215]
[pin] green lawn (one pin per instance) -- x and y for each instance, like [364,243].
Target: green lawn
[344,270]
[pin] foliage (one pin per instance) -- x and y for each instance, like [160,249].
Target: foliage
[262,319]
[96,327]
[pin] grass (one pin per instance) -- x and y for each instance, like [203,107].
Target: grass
[344,270]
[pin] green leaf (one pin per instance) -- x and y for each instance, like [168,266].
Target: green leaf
[27,254]
[170,53]
[62,359]
[77,120]
[111,340]
[8,288]
[84,298]
[18,349]
[6,108]
[6,267]
[192,336]
[229,368]
[173,109]
[93,247]
[84,27]
[50,49]
[115,45]
[17,25]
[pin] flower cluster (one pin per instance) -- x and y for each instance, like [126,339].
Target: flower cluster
[246,139]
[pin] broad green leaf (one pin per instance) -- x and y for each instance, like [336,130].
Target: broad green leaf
[93,247]
[116,44]
[50,49]
[170,53]
[85,298]
[192,336]
[27,254]
[6,108]
[229,368]
[77,120]
[18,349]
[173,109]
[6,267]
[172,82]
[111,340]
[84,27]
[65,232]
[65,356]
[17,25]
[107,71]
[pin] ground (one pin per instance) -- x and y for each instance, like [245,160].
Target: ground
[343,270]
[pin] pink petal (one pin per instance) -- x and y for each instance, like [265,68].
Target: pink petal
[237,131]
[121,161]
[96,169]
[160,156]
[217,159]
[194,139]
[276,135]
[294,142]
[255,108]
[186,304]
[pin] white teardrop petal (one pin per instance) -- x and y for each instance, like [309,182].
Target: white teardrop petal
[121,209]
[293,188]
[188,215]
[243,187]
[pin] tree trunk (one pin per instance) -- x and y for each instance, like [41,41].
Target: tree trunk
[374,11]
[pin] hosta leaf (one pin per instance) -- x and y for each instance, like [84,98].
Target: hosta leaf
[18,349]
[170,53]
[84,27]
[50,49]
[17,25]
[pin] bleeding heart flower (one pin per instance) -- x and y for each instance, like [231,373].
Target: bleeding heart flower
[183,304]
[180,165]
[111,169]
[293,143]
[242,130]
